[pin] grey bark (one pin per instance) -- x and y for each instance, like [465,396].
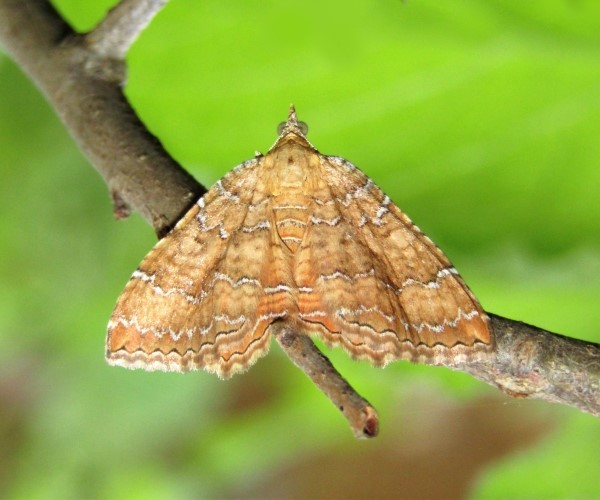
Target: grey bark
[82,80]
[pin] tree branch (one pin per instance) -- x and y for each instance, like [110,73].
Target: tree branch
[83,82]
[530,362]
[82,78]
[302,351]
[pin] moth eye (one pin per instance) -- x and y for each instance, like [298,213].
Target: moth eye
[302,126]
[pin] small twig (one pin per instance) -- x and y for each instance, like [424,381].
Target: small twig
[302,351]
[121,27]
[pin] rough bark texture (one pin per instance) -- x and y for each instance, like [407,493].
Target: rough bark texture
[532,362]
[82,77]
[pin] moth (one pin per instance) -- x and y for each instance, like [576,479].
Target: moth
[303,238]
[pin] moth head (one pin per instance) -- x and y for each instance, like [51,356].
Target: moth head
[292,125]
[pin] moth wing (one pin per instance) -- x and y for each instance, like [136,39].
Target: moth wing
[376,285]
[198,300]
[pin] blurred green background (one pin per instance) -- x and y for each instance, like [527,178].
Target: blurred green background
[480,119]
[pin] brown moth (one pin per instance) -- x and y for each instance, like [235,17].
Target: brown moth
[298,237]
